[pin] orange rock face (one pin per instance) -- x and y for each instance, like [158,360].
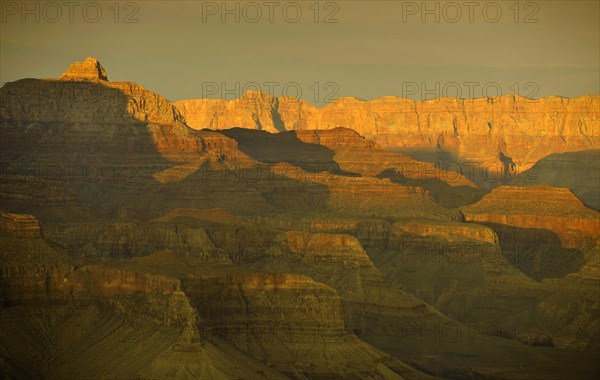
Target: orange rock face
[449,230]
[326,248]
[357,154]
[539,207]
[20,225]
[87,110]
[524,130]
[88,69]
[108,282]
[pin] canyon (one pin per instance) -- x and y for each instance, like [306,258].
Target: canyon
[494,132]
[264,238]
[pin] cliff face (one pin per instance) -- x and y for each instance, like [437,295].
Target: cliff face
[524,130]
[337,155]
[450,231]
[578,171]
[357,154]
[83,108]
[84,101]
[289,321]
[33,271]
[547,208]
[343,250]
[20,225]
[89,69]
[227,302]
[125,240]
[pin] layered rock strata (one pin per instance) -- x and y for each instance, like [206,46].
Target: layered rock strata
[485,131]
[552,209]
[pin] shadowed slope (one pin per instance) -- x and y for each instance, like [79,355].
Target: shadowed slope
[578,171]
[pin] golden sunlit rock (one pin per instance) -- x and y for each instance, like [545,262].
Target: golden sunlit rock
[264,238]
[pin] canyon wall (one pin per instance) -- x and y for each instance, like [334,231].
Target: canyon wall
[544,208]
[478,130]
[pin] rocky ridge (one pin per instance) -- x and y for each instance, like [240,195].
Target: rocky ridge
[88,69]
[548,208]
[484,131]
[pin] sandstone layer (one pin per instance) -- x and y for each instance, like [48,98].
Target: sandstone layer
[20,225]
[88,69]
[578,171]
[552,209]
[483,131]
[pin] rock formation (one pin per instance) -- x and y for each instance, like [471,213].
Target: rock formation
[20,225]
[342,250]
[485,131]
[90,69]
[450,231]
[552,209]
[578,171]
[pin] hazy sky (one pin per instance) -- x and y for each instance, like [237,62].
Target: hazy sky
[366,49]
